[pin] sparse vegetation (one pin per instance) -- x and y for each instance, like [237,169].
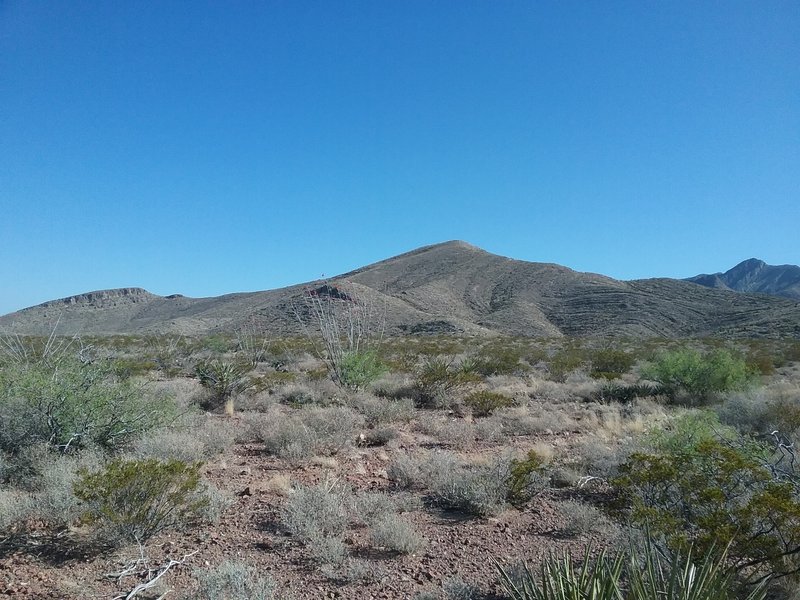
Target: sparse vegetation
[464,447]
[234,580]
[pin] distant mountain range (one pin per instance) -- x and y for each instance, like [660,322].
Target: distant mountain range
[451,287]
[756,276]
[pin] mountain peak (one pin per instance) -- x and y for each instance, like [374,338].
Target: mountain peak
[755,276]
[749,265]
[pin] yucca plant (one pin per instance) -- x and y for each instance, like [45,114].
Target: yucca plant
[684,576]
[224,380]
[632,576]
[595,579]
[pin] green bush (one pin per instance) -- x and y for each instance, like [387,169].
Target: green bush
[358,369]
[74,405]
[500,359]
[439,379]
[565,361]
[483,402]
[610,363]
[705,485]
[133,500]
[525,478]
[698,375]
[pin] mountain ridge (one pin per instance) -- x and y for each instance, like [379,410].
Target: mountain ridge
[755,276]
[450,287]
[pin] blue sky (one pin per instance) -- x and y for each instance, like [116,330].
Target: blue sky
[205,148]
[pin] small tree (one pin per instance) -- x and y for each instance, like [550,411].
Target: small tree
[698,375]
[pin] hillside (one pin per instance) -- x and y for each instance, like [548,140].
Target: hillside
[756,276]
[448,287]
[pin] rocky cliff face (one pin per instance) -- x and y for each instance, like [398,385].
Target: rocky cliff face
[102,298]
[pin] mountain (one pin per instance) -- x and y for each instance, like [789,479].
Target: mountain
[756,276]
[451,287]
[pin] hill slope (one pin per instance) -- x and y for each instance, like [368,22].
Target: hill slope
[756,276]
[449,287]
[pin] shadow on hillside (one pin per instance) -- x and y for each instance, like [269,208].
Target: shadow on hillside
[53,548]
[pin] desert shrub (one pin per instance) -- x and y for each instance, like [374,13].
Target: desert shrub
[610,363]
[404,471]
[169,354]
[15,507]
[170,445]
[697,375]
[132,500]
[526,478]
[126,367]
[500,359]
[73,406]
[224,379]
[334,428]
[704,485]
[217,501]
[378,437]
[300,395]
[382,411]
[602,458]
[395,533]
[762,361]
[490,430]
[329,552]
[534,419]
[290,439]
[457,433]
[318,515]
[581,518]
[439,379]
[370,507]
[312,431]
[483,402]
[358,369]
[54,500]
[791,352]
[564,361]
[192,438]
[472,489]
[271,381]
[234,580]
[625,393]
[217,343]
[317,510]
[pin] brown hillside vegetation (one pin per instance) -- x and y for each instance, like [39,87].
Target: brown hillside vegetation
[451,287]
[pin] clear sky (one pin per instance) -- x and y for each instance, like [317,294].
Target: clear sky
[211,147]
